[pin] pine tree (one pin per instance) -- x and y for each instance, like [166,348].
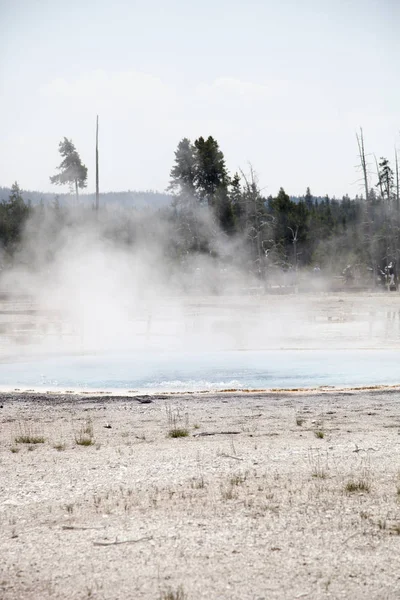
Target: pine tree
[185,202]
[199,177]
[308,199]
[386,179]
[16,195]
[13,215]
[211,172]
[236,200]
[183,172]
[224,210]
[72,171]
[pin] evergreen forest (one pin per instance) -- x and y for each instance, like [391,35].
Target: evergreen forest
[212,212]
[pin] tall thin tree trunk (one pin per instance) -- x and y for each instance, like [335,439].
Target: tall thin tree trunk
[360,142]
[397,181]
[379,177]
[388,221]
[97,163]
[367,208]
[397,196]
[76,192]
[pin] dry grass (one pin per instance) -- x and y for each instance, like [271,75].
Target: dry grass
[28,435]
[29,439]
[179,594]
[178,425]
[85,435]
[59,446]
[237,479]
[359,485]
[178,432]
[281,486]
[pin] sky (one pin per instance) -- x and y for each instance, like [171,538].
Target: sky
[283,87]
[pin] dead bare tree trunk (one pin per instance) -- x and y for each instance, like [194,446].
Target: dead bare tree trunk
[294,242]
[252,214]
[97,163]
[366,206]
[361,149]
[397,180]
[379,177]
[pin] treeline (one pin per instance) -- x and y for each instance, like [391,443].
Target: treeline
[278,231]
[14,213]
[227,216]
[148,199]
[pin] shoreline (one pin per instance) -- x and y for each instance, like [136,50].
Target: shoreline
[121,394]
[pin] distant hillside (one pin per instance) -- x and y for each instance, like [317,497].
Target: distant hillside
[140,200]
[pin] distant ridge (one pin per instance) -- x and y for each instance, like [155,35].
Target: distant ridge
[148,199]
[134,199]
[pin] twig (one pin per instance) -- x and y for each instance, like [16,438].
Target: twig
[231,456]
[117,542]
[351,536]
[206,433]
[79,527]
[363,449]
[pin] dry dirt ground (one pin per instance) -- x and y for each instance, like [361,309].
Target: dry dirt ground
[270,496]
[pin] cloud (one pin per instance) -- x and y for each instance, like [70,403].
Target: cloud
[238,87]
[100,90]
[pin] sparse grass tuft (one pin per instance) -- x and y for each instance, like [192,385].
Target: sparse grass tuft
[319,473]
[26,438]
[28,435]
[84,441]
[59,447]
[198,483]
[179,594]
[178,432]
[319,434]
[361,485]
[229,492]
[85,436]
[237,480]
[396,529]
[319,465]
[14,449]
[178,426]
[69,508]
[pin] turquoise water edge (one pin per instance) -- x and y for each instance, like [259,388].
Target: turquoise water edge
[195,371]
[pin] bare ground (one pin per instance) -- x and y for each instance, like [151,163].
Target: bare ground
[260,509]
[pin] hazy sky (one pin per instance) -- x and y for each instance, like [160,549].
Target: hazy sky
[283,85]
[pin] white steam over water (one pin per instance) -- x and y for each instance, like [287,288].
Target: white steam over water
[102,313]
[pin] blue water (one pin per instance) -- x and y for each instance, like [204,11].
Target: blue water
[194,371]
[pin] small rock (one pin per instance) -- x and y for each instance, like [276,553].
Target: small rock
[144,400]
